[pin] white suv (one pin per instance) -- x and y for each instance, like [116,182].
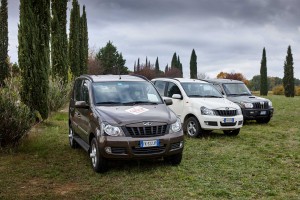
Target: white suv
[200,106]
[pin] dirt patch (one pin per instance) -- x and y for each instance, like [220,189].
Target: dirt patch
[66,188]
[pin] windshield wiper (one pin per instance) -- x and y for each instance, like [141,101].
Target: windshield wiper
[140,102]
[195,95]
[212,96]
[234,94]
[108,103]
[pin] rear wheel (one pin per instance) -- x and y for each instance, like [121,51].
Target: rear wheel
[263,120]
[234,132]
[174,159]
[99,163]
[192,127]
[72,142]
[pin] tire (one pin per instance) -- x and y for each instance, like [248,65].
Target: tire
[192,127]
[234,132]
[99,163]
[72,142]
[174,159]
[263,120]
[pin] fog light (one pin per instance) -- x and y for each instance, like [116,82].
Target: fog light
[181,144]
[108,150]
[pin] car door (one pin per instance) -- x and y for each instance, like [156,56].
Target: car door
[83,114]
[74,111]
[177,105]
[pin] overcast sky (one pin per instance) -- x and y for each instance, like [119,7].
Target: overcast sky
[227,35]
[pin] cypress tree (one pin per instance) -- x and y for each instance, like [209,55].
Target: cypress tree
[138,67]
[59,40]
[288,79]
[193,65]
[74,40]
[4,68]
[174,61]
[179,66]
[146,64]
[157,66]
[166,69]
[84,46]
[33,54]
[263,75]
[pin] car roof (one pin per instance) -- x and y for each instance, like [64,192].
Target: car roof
[222,81]
[110,77]
[181,80]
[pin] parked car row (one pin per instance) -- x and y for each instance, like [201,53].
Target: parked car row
[130,117]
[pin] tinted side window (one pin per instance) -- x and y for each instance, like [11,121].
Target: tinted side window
[160,86]
[85,91]
[172,89]
[77,89]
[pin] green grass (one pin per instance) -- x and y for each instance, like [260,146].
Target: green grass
[263,162]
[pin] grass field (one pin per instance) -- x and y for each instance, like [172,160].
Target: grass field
[262,162]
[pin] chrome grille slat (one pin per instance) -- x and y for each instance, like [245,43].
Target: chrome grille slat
[259,105]
[226,112]
[147,131]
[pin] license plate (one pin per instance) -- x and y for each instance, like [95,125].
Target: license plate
[228,120]
[263,112]
[149,143]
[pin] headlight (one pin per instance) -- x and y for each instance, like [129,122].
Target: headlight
[112,130]
[247,105]
[270,103]
[176,126]
[239,112]
[206,111]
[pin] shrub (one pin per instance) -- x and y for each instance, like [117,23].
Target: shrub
[297,90]
[15,117]
[58,94]
[278,90]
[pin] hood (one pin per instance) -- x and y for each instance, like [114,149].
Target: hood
[248,99]
[124,115]
[214,103]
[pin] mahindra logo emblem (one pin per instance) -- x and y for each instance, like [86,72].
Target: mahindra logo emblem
[147,123]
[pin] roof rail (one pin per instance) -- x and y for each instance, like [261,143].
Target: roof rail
[87,76]
[140,76]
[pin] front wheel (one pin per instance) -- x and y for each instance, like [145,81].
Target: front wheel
[263,120]
[99,163]
[234,132]
[192,127]
[174,159]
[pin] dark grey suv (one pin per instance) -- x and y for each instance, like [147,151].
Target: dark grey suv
[122,117]
[253,107]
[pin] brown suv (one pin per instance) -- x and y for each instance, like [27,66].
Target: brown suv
[122,117]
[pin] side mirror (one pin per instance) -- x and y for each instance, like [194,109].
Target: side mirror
[81,104]
[176,96]
[168,102]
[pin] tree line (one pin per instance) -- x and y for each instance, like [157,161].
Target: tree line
[42,27]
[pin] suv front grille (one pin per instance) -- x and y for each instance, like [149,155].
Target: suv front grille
[261,105]
[147,131]
[226,112]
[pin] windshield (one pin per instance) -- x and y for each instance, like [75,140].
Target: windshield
[125,92]
[195,89]
[236,89]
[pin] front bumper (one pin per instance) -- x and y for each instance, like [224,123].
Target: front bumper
[212,122]
[252,114]
[129,147]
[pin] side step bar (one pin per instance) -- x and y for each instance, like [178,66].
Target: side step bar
[82,143]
